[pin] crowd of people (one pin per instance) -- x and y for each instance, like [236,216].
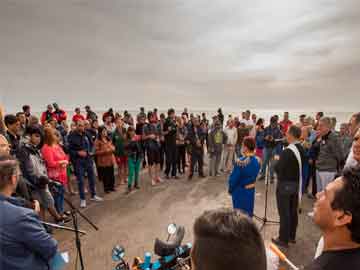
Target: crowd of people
[306,158]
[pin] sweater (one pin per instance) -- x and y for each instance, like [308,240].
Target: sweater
[104,152]
[52,156]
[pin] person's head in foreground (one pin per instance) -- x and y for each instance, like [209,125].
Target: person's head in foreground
[9,171]
[227,239]
[337,211]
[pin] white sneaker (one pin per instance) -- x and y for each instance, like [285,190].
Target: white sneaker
[82,203]
[311,214]
[96,199]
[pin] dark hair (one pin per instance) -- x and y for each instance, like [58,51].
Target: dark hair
[260,122]
[171,111]
[162,115]
[19,113]
[273,119]
[25,108]
[100,130]
[227,239]
[35,129]
[357,117]
[250,143]
[295,131]
[321,114]
[149,115]
[348,200]
[10,119]
[8,167]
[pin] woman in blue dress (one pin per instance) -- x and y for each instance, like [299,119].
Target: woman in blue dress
[243,177]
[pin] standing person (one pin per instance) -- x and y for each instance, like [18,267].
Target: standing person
[354,128]
[24,242]
[272,135]
[180,144]
[135,155]
[78,116]
[27,111]
[336,213]
[104,151]
[160,128]
[48,114]
[156,115]
[289,170]
[12,134]
[90,115]
[109,125]
[217,139]
[152,145]
[330,154]
[22,120]
[82,159]
[260,138]
[196,138]
[285,123]
[141,114]
[221,117]
[34,170]
[110,113]
[60,114]
[119,140]
[170,130]
[2,124]
[229,150]
[345,139]
[243,177]
[242,132]
[318,116]
[139,130]
[56,163]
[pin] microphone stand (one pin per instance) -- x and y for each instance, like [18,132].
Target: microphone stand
[56,226]
[264,220]
[75,211]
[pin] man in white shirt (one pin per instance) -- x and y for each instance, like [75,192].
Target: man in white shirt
[229,150]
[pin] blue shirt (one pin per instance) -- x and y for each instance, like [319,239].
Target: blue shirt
[24,243]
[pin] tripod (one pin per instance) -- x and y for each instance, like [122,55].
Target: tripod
[264,220]
[74,211]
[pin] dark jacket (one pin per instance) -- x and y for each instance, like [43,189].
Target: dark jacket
[287,168]
[24,242]
[32,165]
[196,137]
[275,133]
[80,142]
[134,150]
[330,153]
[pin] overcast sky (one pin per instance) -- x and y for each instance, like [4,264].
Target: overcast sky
[280,54]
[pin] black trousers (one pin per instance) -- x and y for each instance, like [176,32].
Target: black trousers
[171,159]
[288,211]
[106,174]
[162,155]
[197,158]
[181,158]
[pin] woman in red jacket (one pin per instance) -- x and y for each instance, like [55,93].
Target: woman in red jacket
[56,163]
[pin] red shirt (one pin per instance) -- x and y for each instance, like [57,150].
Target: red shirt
[285,125]
[78,117]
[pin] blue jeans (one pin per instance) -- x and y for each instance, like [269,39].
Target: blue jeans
[80,167]
[268,155]
[59,199]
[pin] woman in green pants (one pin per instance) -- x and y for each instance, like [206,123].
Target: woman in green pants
[135,156]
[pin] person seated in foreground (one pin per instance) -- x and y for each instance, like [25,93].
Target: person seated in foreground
[337,213]
[227,239]
[24,242]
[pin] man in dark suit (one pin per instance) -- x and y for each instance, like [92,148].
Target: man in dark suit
[289,188]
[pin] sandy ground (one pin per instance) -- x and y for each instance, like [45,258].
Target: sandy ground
[134,221]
